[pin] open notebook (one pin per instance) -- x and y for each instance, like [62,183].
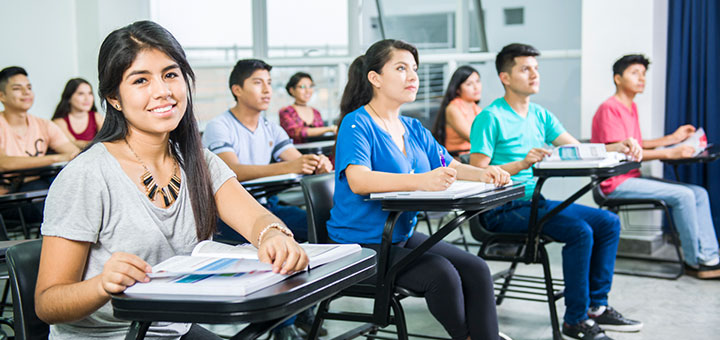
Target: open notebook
[459,189]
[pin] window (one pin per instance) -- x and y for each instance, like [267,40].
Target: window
[514,16]
[425,24]
[208,30]
[307,28]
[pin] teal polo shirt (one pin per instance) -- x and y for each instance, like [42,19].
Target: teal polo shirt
[504,136]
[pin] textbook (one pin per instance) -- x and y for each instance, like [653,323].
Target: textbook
[219,269]
[575,156]
[459,189]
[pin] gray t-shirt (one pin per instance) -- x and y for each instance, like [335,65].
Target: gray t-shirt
[93,200]
[225,133]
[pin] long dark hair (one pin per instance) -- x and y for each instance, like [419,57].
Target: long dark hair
[453,91]
[117,53]
[63,107]
[358,90]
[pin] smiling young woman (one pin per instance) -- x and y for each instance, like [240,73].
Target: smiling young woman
[143,191]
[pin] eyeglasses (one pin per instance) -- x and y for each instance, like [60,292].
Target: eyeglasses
[303,87]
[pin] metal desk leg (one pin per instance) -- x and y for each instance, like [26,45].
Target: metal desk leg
[137,330]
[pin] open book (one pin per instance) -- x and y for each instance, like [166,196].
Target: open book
[216,268]
[459,189]
[586,155]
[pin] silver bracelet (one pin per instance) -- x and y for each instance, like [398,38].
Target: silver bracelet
[277,226]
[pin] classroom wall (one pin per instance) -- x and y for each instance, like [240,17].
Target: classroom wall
[55,40]
[611,29]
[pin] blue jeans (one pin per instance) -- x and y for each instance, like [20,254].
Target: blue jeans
[294,217]
[690,207]
[591,239]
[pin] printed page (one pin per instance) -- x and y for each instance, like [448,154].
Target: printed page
[577,152]
[238,284]
[209,248]
[183,265]
[459,189]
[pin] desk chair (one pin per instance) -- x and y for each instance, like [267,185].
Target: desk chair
[512,247]
[617,205]
[318,192]
[23,262]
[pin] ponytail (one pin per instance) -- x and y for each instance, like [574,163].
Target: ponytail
[359,91]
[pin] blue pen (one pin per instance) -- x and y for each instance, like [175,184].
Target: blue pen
[442,158]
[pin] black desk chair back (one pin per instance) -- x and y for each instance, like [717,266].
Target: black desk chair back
[617,205]
[512,247]
[23,262]
[318,191]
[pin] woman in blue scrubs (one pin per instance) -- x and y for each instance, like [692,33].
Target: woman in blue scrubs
[378,150]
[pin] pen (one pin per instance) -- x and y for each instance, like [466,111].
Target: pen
[442,158]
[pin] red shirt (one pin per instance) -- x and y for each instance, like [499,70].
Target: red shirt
[90,131]
[295,127]
[614,122]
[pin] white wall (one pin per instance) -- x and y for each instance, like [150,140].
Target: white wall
[611,29]
[40,37]
[55,40]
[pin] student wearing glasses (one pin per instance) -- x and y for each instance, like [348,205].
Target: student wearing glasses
[300,120]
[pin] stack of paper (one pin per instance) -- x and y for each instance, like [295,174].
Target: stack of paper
[459,189]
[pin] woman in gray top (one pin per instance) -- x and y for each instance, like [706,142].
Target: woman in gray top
[144,191]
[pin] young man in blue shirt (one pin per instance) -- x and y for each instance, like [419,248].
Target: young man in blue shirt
[512,133]
[248,142]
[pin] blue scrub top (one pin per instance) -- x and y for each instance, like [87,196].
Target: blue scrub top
[361,141]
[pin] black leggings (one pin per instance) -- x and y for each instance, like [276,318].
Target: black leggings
[457,286]
[197,332]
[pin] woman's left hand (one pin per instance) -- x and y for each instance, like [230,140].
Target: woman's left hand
[496,175]
[280,250]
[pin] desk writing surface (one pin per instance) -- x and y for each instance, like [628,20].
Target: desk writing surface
[286,297]
[23,196]
[619,169]
[710,154]
[476,202]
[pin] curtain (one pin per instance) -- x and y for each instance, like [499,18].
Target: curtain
[693,85]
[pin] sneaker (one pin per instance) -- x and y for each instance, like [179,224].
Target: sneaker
[286,333]
[305,320]
[611,320]
[703,272]
[585,330]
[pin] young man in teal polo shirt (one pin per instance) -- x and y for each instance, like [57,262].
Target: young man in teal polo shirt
[512,133]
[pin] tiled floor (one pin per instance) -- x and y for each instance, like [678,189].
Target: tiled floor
[686,308]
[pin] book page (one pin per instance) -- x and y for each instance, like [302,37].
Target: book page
[577,152]
[458,189]
[209,248]
[182,265]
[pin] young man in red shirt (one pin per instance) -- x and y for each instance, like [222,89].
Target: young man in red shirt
[617,119]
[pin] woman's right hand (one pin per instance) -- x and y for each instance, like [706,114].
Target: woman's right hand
[439,179]
[122,270]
